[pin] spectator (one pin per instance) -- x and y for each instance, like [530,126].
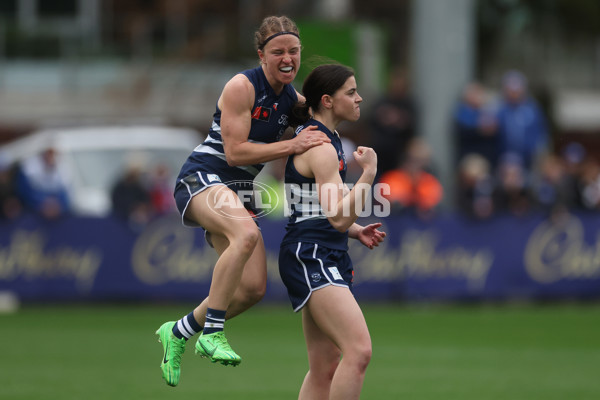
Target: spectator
[589,185]
[551,187]
[392,122]
[522,127]
[161,190]
[10,204]
[511,194]
[413,189]
[131,200]
[574,158]
[42,185]
[475,126]
[476,187]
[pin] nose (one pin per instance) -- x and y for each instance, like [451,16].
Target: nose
[358,98]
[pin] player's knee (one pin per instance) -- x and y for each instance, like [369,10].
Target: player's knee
[246,238]
[362,355]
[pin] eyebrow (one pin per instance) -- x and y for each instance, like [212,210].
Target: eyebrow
[286,48]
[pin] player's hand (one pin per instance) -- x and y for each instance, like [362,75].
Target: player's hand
[309,137]
[366,158]
[370,236]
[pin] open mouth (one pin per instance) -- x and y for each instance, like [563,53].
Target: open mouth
[286,69]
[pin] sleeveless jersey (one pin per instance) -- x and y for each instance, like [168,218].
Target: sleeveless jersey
[270,114]
[307,222]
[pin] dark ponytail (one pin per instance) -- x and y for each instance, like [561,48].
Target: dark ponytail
[300,114]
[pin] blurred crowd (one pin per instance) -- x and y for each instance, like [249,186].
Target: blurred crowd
[36,184]
[40,185]
[503,154]
[504,159]
[139,195]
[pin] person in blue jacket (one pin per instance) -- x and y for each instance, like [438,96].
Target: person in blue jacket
[522,125]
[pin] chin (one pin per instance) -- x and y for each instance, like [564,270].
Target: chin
[287,78]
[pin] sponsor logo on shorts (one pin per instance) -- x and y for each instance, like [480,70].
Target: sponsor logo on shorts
[213,178]
[315,276]
[335,273]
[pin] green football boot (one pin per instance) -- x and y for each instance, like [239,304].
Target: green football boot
[216,347]
[173,350]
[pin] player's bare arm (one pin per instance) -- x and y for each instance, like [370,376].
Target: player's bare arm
[323,164]
[235,104]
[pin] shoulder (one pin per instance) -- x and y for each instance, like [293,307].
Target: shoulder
[324,154]
[240,82]
[238,90]
[317,160]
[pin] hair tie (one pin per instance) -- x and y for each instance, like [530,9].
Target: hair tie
[262,45]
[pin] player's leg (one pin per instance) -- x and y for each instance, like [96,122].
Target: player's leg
[227,218]
[336,313]
[251,290]
[242,234]
[323,359]
[219,211]
[252,286]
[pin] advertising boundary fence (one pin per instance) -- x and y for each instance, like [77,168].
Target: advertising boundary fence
[447,258]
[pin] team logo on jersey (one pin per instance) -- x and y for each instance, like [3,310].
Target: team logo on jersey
[261,113]
[283,120]
[275,105]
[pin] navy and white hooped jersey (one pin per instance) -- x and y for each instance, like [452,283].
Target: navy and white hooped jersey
[307,222]
[270,115]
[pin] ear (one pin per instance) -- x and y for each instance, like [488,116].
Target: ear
[327,101]
[261,55]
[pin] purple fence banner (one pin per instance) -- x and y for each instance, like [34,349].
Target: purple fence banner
[446,258]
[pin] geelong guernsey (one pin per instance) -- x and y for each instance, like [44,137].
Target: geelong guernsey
[270,114]
[307,222]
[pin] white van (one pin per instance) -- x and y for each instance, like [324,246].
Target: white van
[94,158]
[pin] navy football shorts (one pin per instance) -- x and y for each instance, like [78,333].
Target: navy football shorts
[190,186]
[306,267]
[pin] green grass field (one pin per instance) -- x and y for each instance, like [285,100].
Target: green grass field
[419,352]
